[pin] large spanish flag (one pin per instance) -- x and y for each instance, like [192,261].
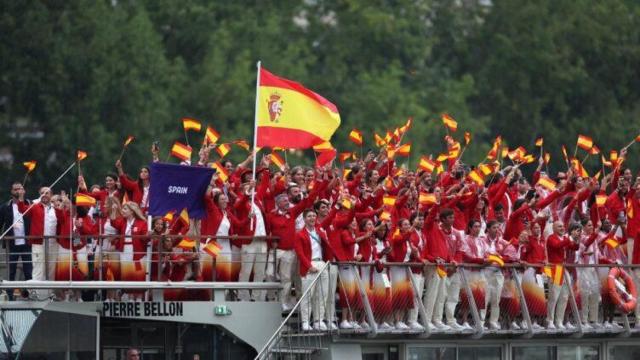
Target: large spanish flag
[292,116]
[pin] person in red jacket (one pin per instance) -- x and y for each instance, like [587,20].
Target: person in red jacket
[557,246]
[44,218]
[402,251]
[132,246]
[418,241]
[138,189]
[309,245]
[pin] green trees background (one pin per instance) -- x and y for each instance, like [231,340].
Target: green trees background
[85,74]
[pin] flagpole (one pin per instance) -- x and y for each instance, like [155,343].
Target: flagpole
[255,134]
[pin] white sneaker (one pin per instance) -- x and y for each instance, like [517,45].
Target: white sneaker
[494,325]
[431,327]
[441,326]
[536,326]
[364,325]
[596,326]
[320,326]
[401,326]
[587,327]
[524,325]
[616,326]
[467,326]
[560,326]
[356,326]
[569,326]
[550,326]
[385,326]
[346,325]
[454,326]
[415,326]
[333,326]
[607,325]
[306,327]
[515,326]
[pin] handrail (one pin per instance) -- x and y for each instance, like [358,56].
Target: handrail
[139,285]
[482,266]
[269,344]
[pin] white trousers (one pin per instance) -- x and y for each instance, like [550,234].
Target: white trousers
[52,258]
[453,296]
[590,291]
[495,282]
[412,316]
[37,258]
[316,298]
[285,261]
[557,303]
[435,295]
[330,306]
[253,258]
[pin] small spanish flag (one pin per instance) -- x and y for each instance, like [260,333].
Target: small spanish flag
[547,158]
[277,160]
[128,140]
[585,142]
[558,275]
[449,122]
[403,150]
[243,144]
[346,203]
[388,183]
[467,137]
[379,140]
[191,124]
[495,259]
[81,155]
[477,177]
[564,154]
[186,244]
[212,248]
[356,137]
[613,155]
[427,198]
[612,243]
[601,199]
[426,164]
[547,183]
[454,150]
[223,174]
[505,152]
[485,169]
[30,165]
[345,156]
[385,216]
[85,200]
[389,200]
[539,141]
[442,157]
[181,151]
[223,150]
[594,150]
[211,136]
[440,270]
[168,217]
[184,217]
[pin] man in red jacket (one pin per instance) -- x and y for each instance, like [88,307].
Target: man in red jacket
[44,220]
[310,245]
[557,245]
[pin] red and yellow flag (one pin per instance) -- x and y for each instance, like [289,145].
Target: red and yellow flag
[128,140]
[426,164]
[403,150]
[379,140]
[449,122]
[212,248]
[292,116]
[440,270]
[427,199]
[356,137]
[85,200]
[278,161]
[223,174]
[181,151]
[211,136]
[477,177]
[385,216]
[585,142]
[539,141]
[389,200]
[223,150]
[243,144]
[30,165]
[186,244]
[547,183]
[594,150]
[191,124]
[81,155]
[345,156]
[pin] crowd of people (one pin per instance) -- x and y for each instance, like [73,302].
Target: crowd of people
[287,223]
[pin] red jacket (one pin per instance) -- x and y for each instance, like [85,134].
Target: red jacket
[303,247]
[283,225]
[139,239]
[36,215]
[88,228]
[133,188]
[557,247]
[436,238]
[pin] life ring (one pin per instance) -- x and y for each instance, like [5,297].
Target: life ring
[622,293]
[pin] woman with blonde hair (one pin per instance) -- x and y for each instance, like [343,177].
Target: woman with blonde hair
[133,245]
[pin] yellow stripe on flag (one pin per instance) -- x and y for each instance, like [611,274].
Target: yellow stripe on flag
[85,200]
[441,271]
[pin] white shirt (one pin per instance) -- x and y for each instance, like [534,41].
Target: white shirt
[259,221]
[50,220]
[379,247]
[145,197]
[225,226]
[316,244]
[18,227]
[128,242]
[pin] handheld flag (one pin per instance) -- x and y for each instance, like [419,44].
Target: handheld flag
[467,137]
[539,141]
[389,200]
[223,174]
[191,124]
[128,140]
[81,155]
[85,200]
[278,161]
[426,164]
[212,248]
[585,142]
[30,165]
[547,183]
[223,150]
[292,116]
[427,199]
[356,137]
[242,143]
[181,151]
[211,136]
[403,150]
[186,244]
[449,122]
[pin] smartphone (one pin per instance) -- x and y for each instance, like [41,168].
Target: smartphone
[156,145]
